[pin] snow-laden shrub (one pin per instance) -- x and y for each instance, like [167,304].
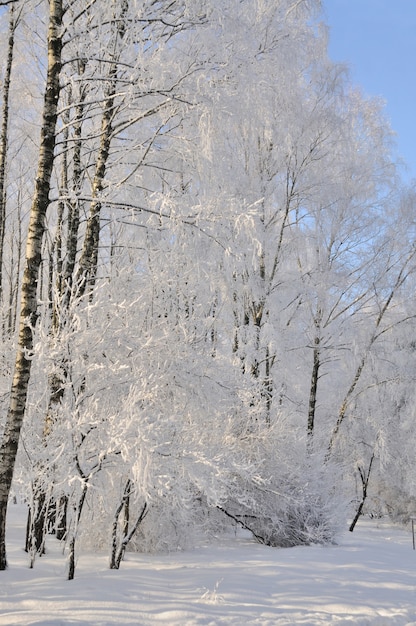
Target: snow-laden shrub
[296,515]
[283,495]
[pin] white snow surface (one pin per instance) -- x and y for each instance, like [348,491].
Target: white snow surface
[368,578]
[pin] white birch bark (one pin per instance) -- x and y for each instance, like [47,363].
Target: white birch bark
[28,303]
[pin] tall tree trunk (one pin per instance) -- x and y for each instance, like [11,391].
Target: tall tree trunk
[88,261]
[36,521]
[74,205]
[72,542]
[16,259]
[313,393]
[60,298]
[28,302]
[4,137]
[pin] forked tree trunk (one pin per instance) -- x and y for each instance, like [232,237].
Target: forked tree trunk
[118,546]
[28,302]
[365,478]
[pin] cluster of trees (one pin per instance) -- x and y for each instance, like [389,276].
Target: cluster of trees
[206,278]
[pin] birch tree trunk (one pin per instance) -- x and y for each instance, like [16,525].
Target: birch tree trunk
[4,137]
[28,303]
[60,299]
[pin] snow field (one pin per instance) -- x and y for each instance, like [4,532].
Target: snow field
[369,578]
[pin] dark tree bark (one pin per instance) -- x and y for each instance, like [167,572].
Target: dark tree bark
[88,262]
[35,527]
[313,391]
[365,478]
[118,546]
[72,542]
[61,518]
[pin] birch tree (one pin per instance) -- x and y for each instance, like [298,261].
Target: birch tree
[113,123]
[29,306]
[13,22]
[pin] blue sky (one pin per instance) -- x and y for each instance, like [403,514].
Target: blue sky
[377,39]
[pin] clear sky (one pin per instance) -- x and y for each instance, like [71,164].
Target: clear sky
[377,39]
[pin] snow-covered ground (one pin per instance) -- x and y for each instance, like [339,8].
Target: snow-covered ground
[369,578]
